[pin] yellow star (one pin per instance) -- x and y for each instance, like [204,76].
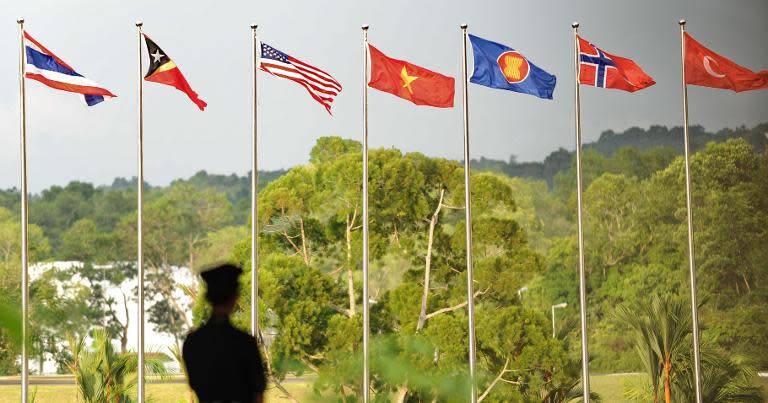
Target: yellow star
[407,80]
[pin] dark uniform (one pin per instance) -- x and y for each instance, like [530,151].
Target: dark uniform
[223,363]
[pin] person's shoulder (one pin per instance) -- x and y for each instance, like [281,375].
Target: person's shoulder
[242,335]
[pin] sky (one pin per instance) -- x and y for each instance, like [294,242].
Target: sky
[210,42]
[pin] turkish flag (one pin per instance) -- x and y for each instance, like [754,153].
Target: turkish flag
[409,81]
[708,69]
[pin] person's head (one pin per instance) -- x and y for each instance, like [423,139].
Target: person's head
[222,286]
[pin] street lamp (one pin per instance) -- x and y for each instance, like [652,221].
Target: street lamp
[560,305]
[520,292]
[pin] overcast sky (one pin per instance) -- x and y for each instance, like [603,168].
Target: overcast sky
[210,42]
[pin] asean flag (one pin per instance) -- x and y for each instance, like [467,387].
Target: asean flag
[708,69]
[602,69]
[409,81]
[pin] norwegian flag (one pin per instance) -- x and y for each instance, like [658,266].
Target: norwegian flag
[602,69]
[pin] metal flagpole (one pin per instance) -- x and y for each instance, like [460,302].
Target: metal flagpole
[468,216]
[691,262]
[24,219]
[366,305]
[140,216]
[579,185]
[254,195]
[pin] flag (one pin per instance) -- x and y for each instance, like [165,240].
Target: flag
[320,85]
[44,66]
[164,71]
[708,69]
[499,66]
[409,81]
[604,70]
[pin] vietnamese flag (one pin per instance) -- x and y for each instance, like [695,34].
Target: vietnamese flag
[708,69]
[409,81]
[164,71]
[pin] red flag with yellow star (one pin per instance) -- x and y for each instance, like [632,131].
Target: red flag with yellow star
[409,81]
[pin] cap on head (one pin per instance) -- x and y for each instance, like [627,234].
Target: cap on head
[221,283]
[575,24]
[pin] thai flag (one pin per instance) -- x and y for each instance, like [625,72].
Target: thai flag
[42,65]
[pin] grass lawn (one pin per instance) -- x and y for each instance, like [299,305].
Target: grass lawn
[161,393]
[610,388]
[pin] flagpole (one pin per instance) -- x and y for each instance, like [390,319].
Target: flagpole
[140,216]
[579,186]
[366,305]
[254,195]
[691,261]
[24,219]
[468,217]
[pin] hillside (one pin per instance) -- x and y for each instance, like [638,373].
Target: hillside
[609,142]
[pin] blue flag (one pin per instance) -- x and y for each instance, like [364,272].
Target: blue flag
[499,66]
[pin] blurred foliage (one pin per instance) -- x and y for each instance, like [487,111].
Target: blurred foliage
[524,234]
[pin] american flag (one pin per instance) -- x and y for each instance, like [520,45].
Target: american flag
[320,85]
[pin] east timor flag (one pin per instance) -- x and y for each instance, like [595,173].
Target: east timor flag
[164,71]
[408,81]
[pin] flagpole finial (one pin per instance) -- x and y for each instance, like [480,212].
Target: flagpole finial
[20,20]
[365,27]
[139,23]
[575,24]
[681,22]
[463,25]
[254,25]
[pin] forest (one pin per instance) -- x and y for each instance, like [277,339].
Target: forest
[526,261]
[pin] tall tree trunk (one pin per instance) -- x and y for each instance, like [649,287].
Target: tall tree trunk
[428,263]
[124,333]
[350,275]
[746,283]
[304,242]
[402,393]
[190,255]
[667,388]
[269,373]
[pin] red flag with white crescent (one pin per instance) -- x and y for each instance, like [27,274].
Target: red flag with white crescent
[708,69]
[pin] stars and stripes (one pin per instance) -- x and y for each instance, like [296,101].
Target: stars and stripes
[320,85]
[44,66]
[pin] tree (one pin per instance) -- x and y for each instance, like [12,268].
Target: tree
[176,224]
[102,375]
[611,203]
[662,330]
[102,270]
[10,276]
[57,307]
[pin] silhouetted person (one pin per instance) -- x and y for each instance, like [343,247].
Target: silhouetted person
[223,363]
